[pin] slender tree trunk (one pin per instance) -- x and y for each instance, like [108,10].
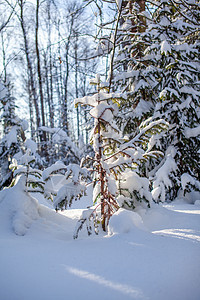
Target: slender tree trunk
[4,58]
[58,87]
[29,66]
[65,104]
[30,104]
[76,82]
[113,50]
[39,70]
[38,63]
[59,72]
[51,106]
[47,89]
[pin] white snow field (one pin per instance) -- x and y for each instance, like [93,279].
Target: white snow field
[152,254]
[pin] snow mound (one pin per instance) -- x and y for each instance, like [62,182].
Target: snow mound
[19,208]
[124,221]
[197,202]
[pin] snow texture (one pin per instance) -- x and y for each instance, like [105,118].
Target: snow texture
[101,96]
[124,221]
[30,144]
[11,137]
[165,48]
[192,132]
[53,168]
[163,177]
[23,208]
[148,254]
[142,248]
[133,182]
[68,191]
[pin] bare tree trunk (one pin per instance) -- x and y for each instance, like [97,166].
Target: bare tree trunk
[58,87]
[47,88]
[76,82]
[4,58]
[65,100]
[30,104]
[39,69]
[51,106]
[65,104]
[113,50]
[29,66]
[59,76]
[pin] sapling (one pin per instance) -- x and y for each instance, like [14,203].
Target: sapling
[113,152]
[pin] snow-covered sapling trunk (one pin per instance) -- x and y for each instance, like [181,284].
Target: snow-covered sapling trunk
[104,139]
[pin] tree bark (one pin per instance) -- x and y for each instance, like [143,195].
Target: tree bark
[51,106]
[39,70]
[33,94]
[76,82]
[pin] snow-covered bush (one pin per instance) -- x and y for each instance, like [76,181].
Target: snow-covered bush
[133,190]
[90,217]
[30,178]
[27,180]
[165,177]
[63,184]
[60,147]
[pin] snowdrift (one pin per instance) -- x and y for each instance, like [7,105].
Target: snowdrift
[146,254]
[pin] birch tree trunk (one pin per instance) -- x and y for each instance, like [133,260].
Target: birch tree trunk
[33,94]
[76,82]
[43,136]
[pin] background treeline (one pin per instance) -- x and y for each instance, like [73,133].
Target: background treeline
[45,51]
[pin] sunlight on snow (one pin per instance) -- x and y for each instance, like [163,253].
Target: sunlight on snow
[193,212]
[186,234]
[123,288]
[184,210]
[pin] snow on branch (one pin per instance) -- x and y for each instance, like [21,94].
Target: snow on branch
[192,132]
[98,97]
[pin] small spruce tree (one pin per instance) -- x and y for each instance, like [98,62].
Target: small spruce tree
[13,134]
[114,154]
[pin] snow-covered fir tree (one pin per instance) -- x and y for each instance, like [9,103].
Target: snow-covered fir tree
[13,134]
[157,66]
[174,53]
[133,73]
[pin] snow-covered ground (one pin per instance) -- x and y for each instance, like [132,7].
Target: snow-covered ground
[146,255]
